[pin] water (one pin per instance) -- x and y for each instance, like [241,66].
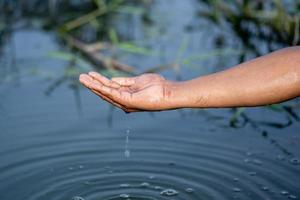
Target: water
[51,148]
[127,151]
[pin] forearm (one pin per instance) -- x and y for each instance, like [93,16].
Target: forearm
[265,80]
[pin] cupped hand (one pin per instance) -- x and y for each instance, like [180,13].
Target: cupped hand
[147,92]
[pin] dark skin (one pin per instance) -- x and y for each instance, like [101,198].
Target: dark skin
[269,79]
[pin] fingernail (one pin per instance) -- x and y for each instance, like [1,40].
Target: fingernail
[81,77]
[85,77]
[93,73]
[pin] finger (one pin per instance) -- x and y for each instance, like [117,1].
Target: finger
[125,109]
[90,83]
[108,99]
[103,80]
[121,97]
[124,81]
[86,80]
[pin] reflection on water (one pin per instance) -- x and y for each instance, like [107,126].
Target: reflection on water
[53,147]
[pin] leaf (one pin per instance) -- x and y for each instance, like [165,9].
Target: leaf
[61,55]
[81,63]
[234,119]
[211,54]
[113,36]
[132,48]
[275,107]
[182,48]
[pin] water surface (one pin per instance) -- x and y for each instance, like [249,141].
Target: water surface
[59,146]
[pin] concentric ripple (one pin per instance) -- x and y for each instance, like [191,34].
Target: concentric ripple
[91,165]
[50,152]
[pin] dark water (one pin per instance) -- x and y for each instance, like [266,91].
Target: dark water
[51,148]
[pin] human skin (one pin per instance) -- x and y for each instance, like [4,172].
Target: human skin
[268,79]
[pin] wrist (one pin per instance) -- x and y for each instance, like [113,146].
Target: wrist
[177,95]
[187,94]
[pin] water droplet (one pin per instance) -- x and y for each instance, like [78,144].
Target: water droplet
[124,185]
[158,188]
[127,153]
[80,166]
[236,189]
[252,173]
[77,198]
[70,168]
[236,179]
[125,196]
[280,157]
[169,192]
[257,162]
[151,177]
[292,196]
[283,192]
[87,183]
[295,161]
[265,188]
[189,190]
[145,184]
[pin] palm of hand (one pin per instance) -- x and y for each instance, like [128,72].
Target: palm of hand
[144,92]
[146,88]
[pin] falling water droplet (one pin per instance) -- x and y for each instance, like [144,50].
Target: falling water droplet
[169,192]
[127,151]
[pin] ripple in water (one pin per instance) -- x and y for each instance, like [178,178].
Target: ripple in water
[163,167]
[77,198]
[169,192]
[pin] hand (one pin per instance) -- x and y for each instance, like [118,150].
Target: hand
[147,92]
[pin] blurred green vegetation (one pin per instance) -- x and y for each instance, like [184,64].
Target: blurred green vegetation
[276,22]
